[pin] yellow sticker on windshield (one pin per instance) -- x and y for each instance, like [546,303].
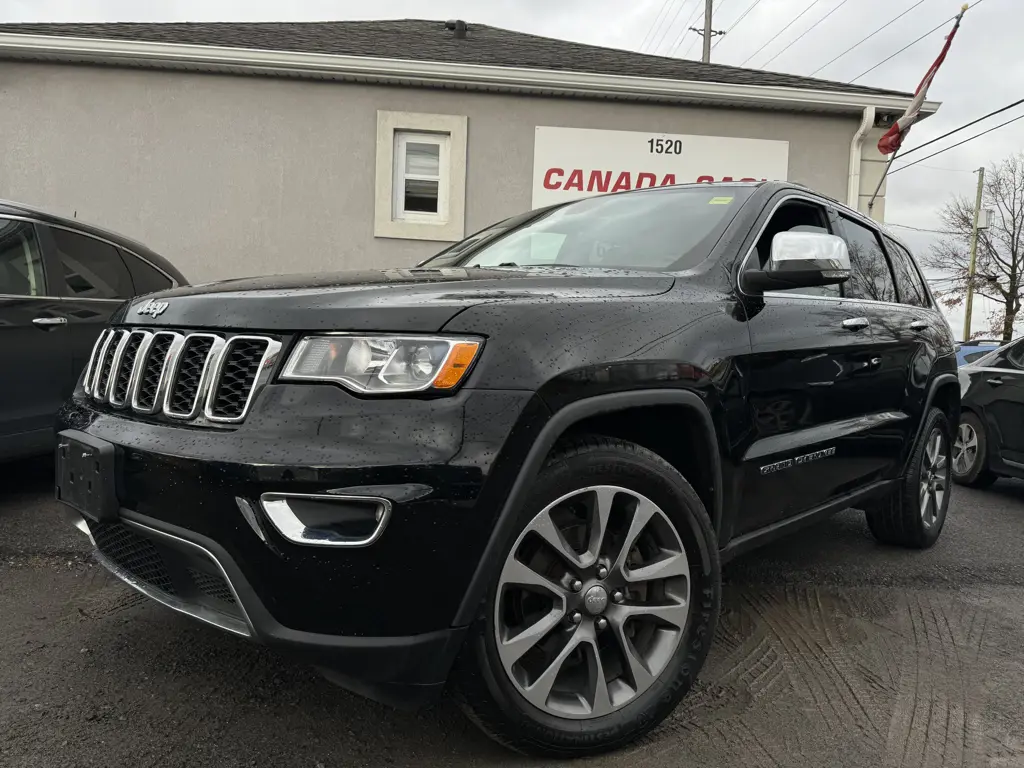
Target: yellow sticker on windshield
[719,201]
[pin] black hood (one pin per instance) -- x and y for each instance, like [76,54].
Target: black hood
[399,300]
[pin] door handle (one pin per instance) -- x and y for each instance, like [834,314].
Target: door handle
[995,381]
[855,324]
[44,321]
[919,325]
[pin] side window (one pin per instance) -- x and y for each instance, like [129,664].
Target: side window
[91,268]
[908,281]
[1014,356]
[795,217]
[21,263]
[147,279]
[870,276]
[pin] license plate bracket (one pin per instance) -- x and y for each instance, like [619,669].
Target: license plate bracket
[85,475]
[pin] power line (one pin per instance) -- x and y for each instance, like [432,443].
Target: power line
[772,39]
[965,125]
[908,45]
[861,42]
[954,146]
[654,24]
[655,44]
[809,29]
[733,25]
[917,229]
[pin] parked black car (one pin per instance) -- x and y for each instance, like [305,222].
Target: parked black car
[519,467]
[990,439]
[60,282]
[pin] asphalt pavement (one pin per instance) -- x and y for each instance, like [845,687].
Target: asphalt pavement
[832,651]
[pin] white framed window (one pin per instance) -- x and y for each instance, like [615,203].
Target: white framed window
[419,190]
[421,176]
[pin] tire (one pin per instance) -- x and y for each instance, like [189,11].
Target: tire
[633,484]
[914,514]
[970,468]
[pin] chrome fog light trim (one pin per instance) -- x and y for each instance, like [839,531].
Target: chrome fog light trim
[278,509]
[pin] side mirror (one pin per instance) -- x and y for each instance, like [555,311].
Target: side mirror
[801,260]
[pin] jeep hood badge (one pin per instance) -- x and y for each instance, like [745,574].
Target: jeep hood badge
[152,308]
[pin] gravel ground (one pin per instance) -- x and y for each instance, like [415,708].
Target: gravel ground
[831,651]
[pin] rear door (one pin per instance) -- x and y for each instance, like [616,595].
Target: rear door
[998,391]
[93,281]
[33,344]
[812,378]
[901,353]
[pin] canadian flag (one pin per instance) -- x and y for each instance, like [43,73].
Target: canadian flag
[893,138]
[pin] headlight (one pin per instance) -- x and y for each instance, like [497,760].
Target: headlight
[383,364]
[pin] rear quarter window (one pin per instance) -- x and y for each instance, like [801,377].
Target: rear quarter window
[147,279]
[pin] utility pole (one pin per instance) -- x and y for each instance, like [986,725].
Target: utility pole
[974,256]
[707,33]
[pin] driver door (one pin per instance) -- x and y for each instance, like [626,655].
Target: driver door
[810,377]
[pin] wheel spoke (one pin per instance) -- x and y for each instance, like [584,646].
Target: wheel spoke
[539,691]
[521,575]
[924,499]
[512,650]
[642,515]
[604,497]
[601,702]
[933,506]
[674,564]
[670,613]
[638,672]
[545,527]
[973,441]
[940,462]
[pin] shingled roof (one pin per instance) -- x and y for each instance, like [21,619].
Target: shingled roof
[430,41]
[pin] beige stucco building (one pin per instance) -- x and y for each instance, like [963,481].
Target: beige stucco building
[238,149]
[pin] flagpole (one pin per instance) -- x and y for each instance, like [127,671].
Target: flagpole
[881,181]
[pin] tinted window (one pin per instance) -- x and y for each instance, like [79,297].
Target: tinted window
[147,279]
[795,217]
[1015,355]
[974,356]
[663,229]
[908,281]
[92,269]
[870,277]
[21,264]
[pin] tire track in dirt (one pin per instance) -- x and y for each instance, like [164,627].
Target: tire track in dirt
[932,722]
[819,672]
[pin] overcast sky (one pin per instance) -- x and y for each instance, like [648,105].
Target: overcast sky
[984,69]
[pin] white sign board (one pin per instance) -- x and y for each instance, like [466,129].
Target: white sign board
[569,163]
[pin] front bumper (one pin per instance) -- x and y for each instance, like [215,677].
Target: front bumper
[378,618]
[196,578]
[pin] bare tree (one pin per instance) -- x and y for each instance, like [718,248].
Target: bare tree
[999,267]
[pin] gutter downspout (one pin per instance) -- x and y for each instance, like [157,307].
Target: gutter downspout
[867,121]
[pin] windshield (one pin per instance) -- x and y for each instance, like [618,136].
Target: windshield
[668,229]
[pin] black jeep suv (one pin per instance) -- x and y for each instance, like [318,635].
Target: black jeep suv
[517,468]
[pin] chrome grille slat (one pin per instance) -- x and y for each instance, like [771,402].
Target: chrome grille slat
[200,377]
[191,374]
[90,368]
[106,364]
[125,374]
[148,391]
[243,363]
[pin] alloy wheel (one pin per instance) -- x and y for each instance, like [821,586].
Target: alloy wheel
[934,477]
[592,602]
[965,449]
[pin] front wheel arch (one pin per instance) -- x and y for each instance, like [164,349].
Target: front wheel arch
[554,430]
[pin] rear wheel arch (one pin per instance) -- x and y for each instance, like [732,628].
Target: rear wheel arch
[563,425]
